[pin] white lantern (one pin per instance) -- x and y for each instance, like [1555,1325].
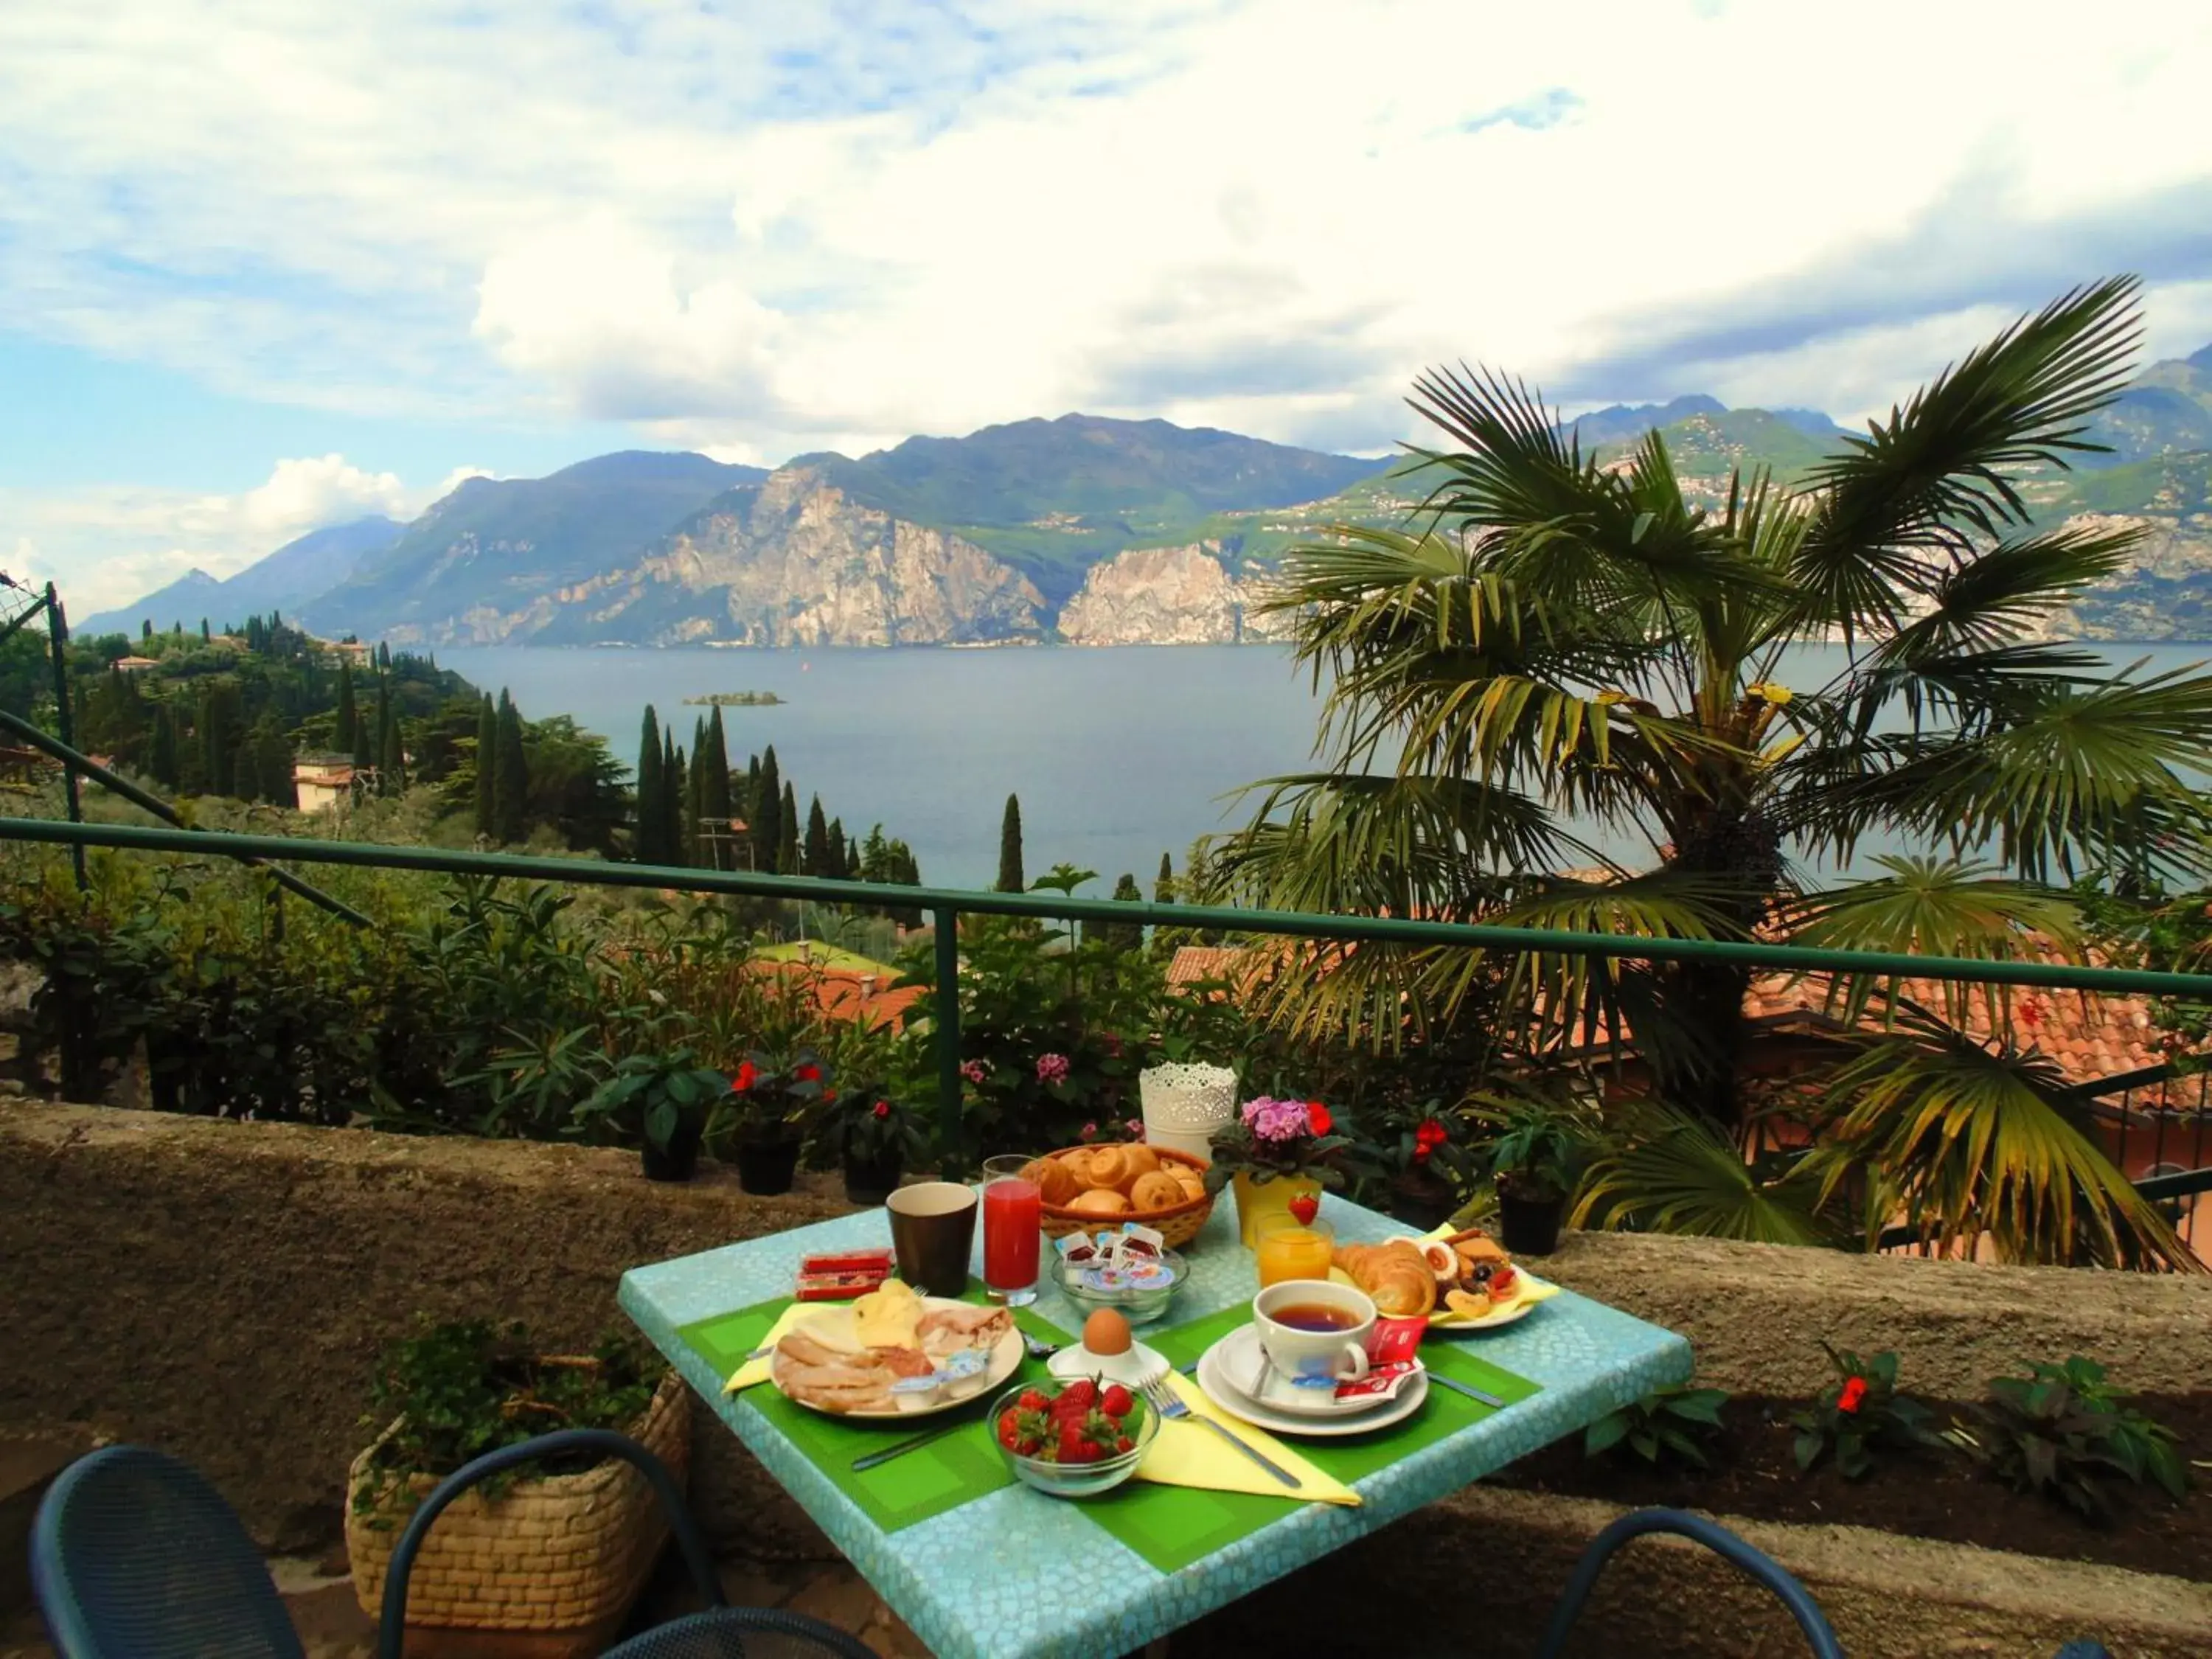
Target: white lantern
[1184,1104]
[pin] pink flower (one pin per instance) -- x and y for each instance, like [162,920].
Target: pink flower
[1133,1129]
[1052,1068]
[1277,1120]
[973,1070]
[1089,1133]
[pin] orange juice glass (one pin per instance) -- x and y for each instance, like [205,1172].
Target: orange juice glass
[1291,1248]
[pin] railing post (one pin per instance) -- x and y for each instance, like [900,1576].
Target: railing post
[946,921]
[64,727]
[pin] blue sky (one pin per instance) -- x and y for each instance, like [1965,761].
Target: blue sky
[264,267]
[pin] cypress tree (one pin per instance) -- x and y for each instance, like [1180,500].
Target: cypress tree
[487,755]
[1124,935]
[510,774]
[1010,848]
[698,840]
[713,767]
[392,753]
[816,859]
[645,845]
[207,636]
[841,858]
[349,717]
[787,834]
[767,821]
[875,856]
[1163,889]
[246,769]
[146,632]
[273,764]
[671,798]
[162,763]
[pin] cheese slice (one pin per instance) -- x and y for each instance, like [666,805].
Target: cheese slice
[890,1317]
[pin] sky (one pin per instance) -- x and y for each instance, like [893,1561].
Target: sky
[271,265]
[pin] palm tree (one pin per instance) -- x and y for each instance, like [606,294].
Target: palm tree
[1553,645]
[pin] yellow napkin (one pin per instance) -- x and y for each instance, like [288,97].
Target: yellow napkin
[756,1370]
[1532,1289]
[1186,1454]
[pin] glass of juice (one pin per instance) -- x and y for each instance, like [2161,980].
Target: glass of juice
[1290,1249]
[1013,1231]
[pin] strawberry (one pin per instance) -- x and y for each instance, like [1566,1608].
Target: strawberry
[1081,1392]
[1031,1400]
[1124,1443]
[1009,1436]
[1009,1421]
[1304,1207]
[1115,1402]
[1083,1451]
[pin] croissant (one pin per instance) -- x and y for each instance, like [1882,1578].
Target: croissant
[1155,1191]
[1109,1167]
[1397,1279]
[1056,1182]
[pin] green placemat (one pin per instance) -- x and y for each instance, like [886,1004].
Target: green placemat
[928,1481]
[1173,1526]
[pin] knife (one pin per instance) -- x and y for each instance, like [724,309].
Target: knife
[1468,1390]
[900,1449]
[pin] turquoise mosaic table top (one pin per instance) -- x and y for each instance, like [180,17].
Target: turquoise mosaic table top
[1015,1573]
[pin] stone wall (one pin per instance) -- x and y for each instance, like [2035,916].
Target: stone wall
[219,1290]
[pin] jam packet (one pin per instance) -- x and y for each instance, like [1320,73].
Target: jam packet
[1381,1381]
[1394,1341]
[840,1277]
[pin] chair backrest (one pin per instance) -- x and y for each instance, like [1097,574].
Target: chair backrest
[135,1556]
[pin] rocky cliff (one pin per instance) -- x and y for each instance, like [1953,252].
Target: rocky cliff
[2164,593]
[1166,596]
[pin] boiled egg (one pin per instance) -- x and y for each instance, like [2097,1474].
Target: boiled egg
[1106,1333]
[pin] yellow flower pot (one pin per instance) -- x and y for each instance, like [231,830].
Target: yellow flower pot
[1266,1198]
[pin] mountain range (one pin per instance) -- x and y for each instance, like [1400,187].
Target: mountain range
[1083,529]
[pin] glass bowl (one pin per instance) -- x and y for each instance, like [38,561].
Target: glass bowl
[1074,1479]
[1139,1304]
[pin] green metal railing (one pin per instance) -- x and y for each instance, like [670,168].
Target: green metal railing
[948,905]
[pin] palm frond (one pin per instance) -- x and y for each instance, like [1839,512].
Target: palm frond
[1943,468]
[1664,1170]
[1979,1142]
[1991,598]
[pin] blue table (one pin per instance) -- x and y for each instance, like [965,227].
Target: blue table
[1015,1573]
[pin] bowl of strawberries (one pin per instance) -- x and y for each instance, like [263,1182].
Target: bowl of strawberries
[1073,1439]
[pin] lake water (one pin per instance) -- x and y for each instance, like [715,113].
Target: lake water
[1118,755]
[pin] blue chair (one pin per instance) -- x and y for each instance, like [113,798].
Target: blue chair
[135,1556]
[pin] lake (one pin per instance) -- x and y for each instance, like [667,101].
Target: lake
[1118,755]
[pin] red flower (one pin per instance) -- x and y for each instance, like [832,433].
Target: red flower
[746,1077]
[1853,1395]
[807,1075]
[883,1109]
[1429,1132]
[1317,1118]
[1421,1151]
[829,1096]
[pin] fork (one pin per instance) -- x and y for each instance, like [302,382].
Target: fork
[1170,1406]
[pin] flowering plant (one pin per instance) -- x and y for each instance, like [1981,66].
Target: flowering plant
[772,1100]
[1269,1139]
[864,1122]
[1861,1409]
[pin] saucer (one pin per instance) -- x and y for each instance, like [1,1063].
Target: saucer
[1240,1360]
[1219,1375]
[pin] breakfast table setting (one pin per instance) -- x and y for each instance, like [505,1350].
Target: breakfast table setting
[1037,1422]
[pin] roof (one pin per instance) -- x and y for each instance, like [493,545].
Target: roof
[842,993]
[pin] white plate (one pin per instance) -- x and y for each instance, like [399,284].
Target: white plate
[1005,1358]
[1215,1377]
[1240,1356]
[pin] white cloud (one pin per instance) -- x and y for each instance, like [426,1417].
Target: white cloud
[106,546]
[804,227]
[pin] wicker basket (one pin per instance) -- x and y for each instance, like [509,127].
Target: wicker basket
[565,1555]
[1177,1226]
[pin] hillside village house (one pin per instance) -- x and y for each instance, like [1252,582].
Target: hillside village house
[322,781]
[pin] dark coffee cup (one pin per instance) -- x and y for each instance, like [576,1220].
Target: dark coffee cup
[934,1234]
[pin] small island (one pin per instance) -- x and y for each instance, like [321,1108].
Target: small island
[735,700]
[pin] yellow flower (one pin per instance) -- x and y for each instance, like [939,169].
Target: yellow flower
[1777,694]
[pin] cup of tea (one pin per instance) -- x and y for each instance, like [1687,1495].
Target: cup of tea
[934,1234]
[1315,1331]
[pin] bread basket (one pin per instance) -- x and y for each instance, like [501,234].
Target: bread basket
[1177,1225]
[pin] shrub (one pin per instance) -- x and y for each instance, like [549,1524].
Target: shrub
[2063,1430]
[1667,1427]
[1860,1411]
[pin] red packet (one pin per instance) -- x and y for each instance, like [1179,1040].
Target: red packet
[840,1277]
[1395,1341]
[1381,1381]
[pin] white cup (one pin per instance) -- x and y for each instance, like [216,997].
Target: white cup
[1315,1358]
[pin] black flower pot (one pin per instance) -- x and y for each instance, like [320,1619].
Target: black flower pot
[872,1180]
[1426,1205]
[765,1168]
[678,1160]
[1530,1226]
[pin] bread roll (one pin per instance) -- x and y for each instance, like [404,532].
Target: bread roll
[1099,1200]
[1056,1182]
[1192,1182]
[1156,1191]
[1140,1160]
[1109,1167]
[1079,1165]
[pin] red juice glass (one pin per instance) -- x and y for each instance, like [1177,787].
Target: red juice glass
[1013,1231]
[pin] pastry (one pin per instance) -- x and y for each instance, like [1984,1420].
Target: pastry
[1140,1160]
[1108,1167]
[1156,1191]
[1099,1200]
[1475,1245]
[1056,1182]
[1079,1165]
[1193,1183]
[1396,1277]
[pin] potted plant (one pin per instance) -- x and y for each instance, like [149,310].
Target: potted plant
[771,1102]
[1427,1159]
[1536,1158]
[552,1557]
[877,1139]
[1276,1153]
[663,1102]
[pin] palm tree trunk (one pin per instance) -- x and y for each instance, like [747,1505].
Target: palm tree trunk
[1704,1002]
